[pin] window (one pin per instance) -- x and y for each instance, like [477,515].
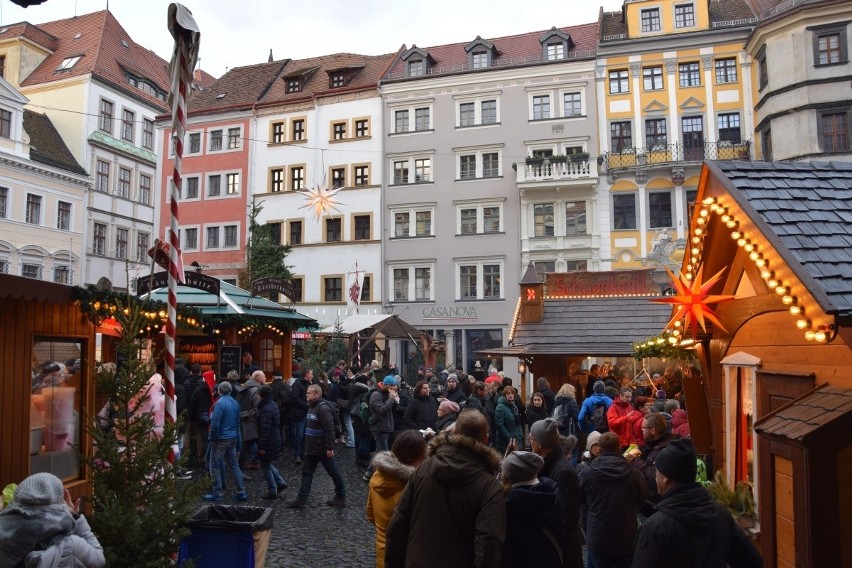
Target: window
[363,229]
[106,116]
[33,214]
[127,120]
[652,78]
[61,274]
[29,270]
[762,70]
[479,60]
[191,188]
[231,236]
[214,185]
[293,85]
[618,82]
[401,121]
[651,20]
[297,129]
[142,240]
[729,128]
[297,178]
[684,16]
[575,218]
[99,239]
[624,211]
[472,287]
[277,132]
[195,143]
[830,45]
[63,215]
[276,180]
[572,104]
[400,172]
[403,227]
[400,284]
[726,70]
[233,183]
[491,219]
[362,176]
[576,265]
[421,118]
[543,220]
[68,63]
[541,107]
[467,282]
[655,133]
[467,166]
[337,80]
[367,289]
[4,201]
[333,230]
[422,284]
[215,140]
[766,138]
[148,134]
[660,210]
[489,111]
[102,176]
[542,266]
[2,65]
[834,131]
[123,189]
[621,135]
[144,189]
[121,236]
[5,123]
[689,198]
[468,222]
[338,178]
[233,138]
[295,233]
[689,74]
[362,128]
[467,114]
[423,224]
[555,51]
[422,169]
[491,281]
[298,287]
[401,224]
[479,219]
[338,130]
[416,68]
[332,289]
[490,164]
[212,238]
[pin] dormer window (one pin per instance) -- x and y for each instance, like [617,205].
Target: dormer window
[68,63]
[555,51]
[555,45]
[294,85]
[480,53]
[479,60]
[338,79]
[417,62]
[416,68]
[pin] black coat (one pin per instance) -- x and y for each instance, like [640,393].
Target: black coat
[421,412]
[549,399]
[456,395]
[299,404]
[559,469]
[319,428]
[611,492]
[189,387]
[268,429]
[646,463]
[690,529]
[529,510]
[534,414]
[199,405]
[446,421]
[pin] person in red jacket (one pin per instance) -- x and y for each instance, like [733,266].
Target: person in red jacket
[619,414]
[642,404]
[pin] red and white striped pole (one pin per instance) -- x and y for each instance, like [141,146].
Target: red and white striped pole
[185,31]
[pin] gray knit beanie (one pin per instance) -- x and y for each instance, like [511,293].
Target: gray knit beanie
[40,489]
[521,466]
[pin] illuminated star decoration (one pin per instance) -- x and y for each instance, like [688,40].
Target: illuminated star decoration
[321,200]
[692,301]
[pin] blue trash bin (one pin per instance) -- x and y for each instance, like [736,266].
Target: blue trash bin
[227,536]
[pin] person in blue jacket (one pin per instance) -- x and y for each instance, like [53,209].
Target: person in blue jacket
[226,442]
[587,411]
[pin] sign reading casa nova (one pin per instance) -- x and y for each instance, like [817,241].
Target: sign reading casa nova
[451,314]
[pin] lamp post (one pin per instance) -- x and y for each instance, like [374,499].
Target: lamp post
[522,371]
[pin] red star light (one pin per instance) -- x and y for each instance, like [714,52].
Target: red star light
[692,301]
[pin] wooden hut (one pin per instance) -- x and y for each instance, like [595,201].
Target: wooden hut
[779,386]
[47,348]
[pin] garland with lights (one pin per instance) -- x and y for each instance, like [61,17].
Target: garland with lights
[662,346]
[100,304]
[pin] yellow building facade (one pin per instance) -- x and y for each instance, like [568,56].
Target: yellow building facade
[674,88]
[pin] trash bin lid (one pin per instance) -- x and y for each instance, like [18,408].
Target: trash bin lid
[232,518]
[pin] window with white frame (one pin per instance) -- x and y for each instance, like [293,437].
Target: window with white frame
[422,119]
[230,236]
[142,244]
[660,209]
[233,183]
[619,82]
[575,218]
[479,218]
[63,215]
[4,201]
[652,78]
[729,127]
[102,176]
[194,142]
[62,274]
[467,114]
[726,70]
[99,232]
[106,116]
[234,138]
[411,283]
[543,220]
[555,51]
[400,172]
[572,104]
[122,237]
[5,122]
[190,238]
[214,185]
[689,74]
[148,134]
[479,279]
[33,211]
[412,222]
[123,189]
[212,241]
[215,140]
[414,118]
[477,163]
[650,20]
[128,121]
[477,112]
[543,266]
[684,15]
[540,107]
[144,189]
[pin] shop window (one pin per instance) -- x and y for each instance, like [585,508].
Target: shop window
[56,427]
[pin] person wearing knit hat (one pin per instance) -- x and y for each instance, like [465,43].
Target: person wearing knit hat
[593,450]
[593,412]
[42,512]
[545,433]
[521,467]
[689,527]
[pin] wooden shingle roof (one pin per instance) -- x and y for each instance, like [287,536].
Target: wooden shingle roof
[807,415]
[805,210]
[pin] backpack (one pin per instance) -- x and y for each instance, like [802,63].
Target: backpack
[248,413]
[565,419]
[364,409]
[335,414]
[599,420]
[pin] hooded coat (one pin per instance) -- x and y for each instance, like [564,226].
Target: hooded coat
[389,478]
[269,429]
[680,423]
[635,426]
[690,529]
[507,423]
[647,463]
[452,513]
[588,409]
[611,492]
[421,412]
[618,420]
[530,509]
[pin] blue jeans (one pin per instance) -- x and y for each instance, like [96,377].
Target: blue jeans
[347,427]
[381,445]
[272,475]
[297,437]
[308,469]
[225,451]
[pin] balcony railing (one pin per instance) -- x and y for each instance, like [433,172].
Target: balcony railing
[666,154]
[555,171]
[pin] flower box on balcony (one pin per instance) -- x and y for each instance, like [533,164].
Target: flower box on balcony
[558,159]
[536,161]
[580,157]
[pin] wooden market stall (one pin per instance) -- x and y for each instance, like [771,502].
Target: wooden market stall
[47,347]
[780,234]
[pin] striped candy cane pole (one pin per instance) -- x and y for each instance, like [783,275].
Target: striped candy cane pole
[185,32]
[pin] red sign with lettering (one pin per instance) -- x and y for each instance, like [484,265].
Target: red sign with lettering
[596,284]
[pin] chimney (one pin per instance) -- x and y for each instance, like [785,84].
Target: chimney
[196,75]
[270,56]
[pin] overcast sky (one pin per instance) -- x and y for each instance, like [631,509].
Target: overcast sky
[241,32]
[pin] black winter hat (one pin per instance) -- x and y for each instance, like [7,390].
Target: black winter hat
[677,461]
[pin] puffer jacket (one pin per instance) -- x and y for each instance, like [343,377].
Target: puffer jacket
[79,549]
[269,429]
[386,485]
[507,424]
[452,513]
[421,412]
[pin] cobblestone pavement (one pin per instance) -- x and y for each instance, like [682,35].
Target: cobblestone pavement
[317,535]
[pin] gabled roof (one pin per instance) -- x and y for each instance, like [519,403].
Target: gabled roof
[516,50]
[809,415]
[805,210]
[239,87]
[390,325]
[30,32]
[105,50]
[47,146]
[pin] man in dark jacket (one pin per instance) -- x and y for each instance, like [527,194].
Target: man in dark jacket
[298,411]
[611,493]
[689,528]
[456,488]
[454,391]
[319,449]
[282,397]
[656,438]
[544,440]
[198,419]
[269,442]
[383,400]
